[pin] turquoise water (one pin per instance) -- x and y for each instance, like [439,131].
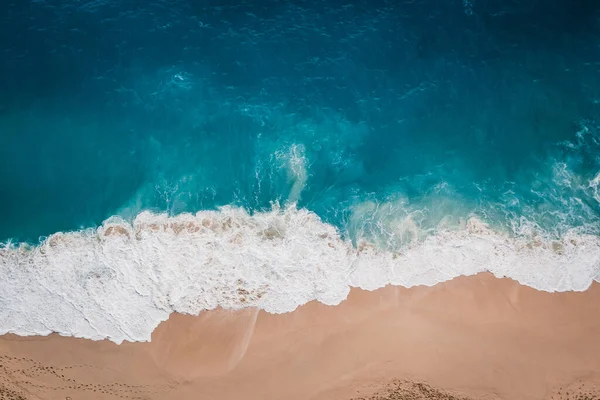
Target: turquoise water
[420,113]
[113,108]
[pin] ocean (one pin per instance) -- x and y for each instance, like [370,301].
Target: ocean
[177,156]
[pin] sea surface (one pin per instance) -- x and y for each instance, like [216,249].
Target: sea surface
[176,156]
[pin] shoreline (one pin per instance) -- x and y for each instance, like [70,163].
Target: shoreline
[96,284]
[478,336]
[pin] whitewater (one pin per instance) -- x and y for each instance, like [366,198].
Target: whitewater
[121,280]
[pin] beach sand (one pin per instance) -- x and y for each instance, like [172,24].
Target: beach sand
[475,337]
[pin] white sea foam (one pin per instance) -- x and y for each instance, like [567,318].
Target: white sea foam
[295,163]
[121,280]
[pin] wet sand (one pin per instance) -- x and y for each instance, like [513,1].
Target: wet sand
[474,337]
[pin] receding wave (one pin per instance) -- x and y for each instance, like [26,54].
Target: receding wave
[121,280]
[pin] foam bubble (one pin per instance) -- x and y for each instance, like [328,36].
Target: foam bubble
[121,280]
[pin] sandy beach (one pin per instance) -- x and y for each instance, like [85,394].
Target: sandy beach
[475,337]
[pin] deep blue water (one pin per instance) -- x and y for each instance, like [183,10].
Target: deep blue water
[455,107]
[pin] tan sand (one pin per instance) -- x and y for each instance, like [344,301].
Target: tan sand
[474,337]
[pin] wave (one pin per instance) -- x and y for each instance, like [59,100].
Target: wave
[120,280]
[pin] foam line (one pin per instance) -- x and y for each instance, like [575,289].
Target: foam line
[121,280]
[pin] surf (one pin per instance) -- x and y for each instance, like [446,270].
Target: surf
[119,281]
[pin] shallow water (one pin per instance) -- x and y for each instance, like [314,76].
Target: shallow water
[424,140]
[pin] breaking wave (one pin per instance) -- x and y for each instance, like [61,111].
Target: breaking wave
[121,280]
